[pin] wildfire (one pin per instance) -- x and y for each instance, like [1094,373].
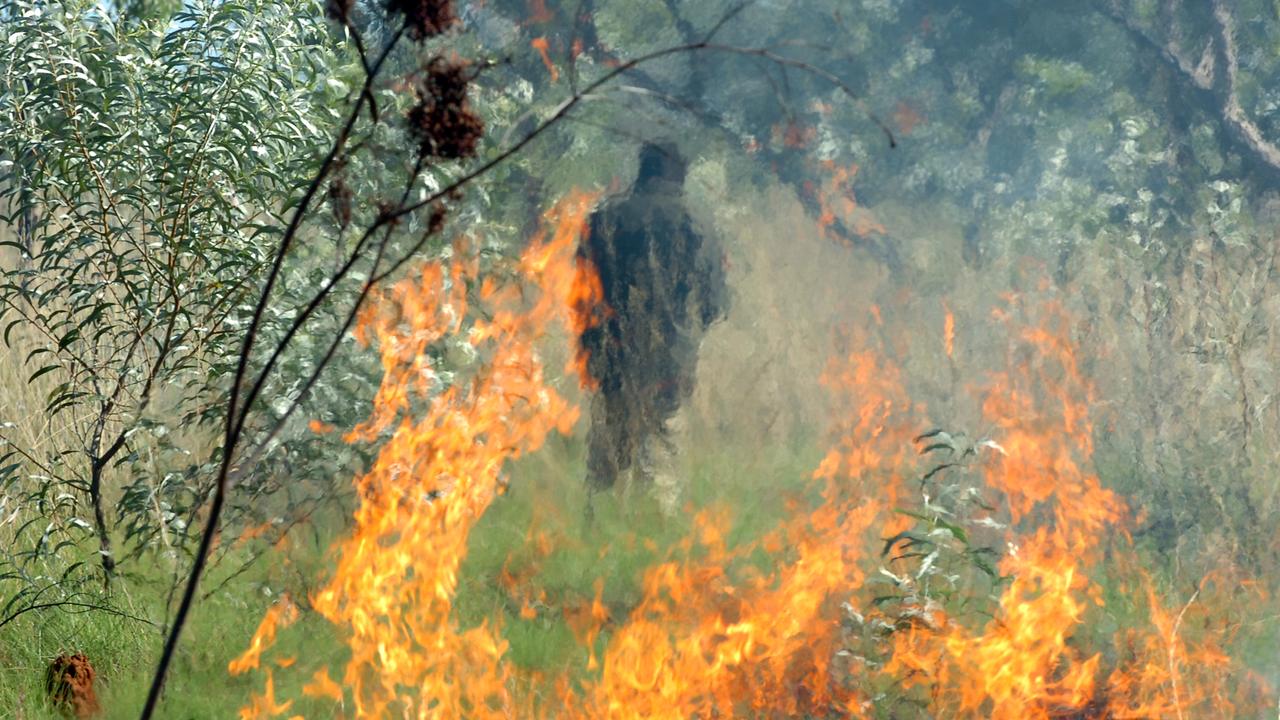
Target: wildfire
[280,615]
[544,51]
[391,594]
[836,202]
[1027,662]
[841,622]
[949,333]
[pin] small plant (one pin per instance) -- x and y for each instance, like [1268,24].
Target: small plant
[940,567]
[941,561]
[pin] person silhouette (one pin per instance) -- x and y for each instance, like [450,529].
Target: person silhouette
[663,285]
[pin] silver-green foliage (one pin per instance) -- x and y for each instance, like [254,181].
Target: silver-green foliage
[144,165]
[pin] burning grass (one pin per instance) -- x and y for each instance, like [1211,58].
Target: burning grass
[918,575]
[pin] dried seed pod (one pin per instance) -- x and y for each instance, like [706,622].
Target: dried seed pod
[435,221]
[442,122]
[425,18]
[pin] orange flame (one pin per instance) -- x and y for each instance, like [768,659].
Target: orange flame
[280,615]
[1025,663]
[949,332]
[265,705]
[713,633]
[539,13]
[794,134]
[836,201]
[540,44]
[392,592]
[587,310]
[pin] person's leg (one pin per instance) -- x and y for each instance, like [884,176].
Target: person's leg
[602,467]
[668,478]
[602,446]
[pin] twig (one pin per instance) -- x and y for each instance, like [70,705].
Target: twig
[232,435]
[1215,76]
[390,218]
[85,607]
[1173,644]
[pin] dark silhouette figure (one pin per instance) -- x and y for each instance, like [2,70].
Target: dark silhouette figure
[664,285]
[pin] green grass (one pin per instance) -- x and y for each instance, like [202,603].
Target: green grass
[124,651]
[628,534]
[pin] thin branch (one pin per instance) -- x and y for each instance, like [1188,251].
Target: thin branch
[231,436]
[366,90]
[387,219]
[724,19]
[255,390]
[1225,81]
[85,607]
[576,99]
[1173,655]
[375,278]
[1215,75]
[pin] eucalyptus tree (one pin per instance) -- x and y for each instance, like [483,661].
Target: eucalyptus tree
[146,160]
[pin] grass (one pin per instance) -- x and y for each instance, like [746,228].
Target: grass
[123,652]
[628,534]
[538,533]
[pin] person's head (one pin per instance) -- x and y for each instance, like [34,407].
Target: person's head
[660,161]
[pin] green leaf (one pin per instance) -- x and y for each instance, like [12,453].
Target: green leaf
[41,372]
[911,538]
[8,329]
[68,339]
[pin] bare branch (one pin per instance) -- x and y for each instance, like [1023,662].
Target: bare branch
[1225,86]
[233,424]
[1214,74]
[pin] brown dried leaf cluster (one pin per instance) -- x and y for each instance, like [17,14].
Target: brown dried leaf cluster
[425,18]
[69,683]
[442,122]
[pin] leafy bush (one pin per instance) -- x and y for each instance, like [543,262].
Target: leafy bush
[146,165]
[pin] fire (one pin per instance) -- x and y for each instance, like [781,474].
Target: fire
[849,614]
[794,134]
[265,705]
[949,333]
[540,44]
[906,118]
[539,13]
[1027,661]
[391,594]
[836,202]
[280,615]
